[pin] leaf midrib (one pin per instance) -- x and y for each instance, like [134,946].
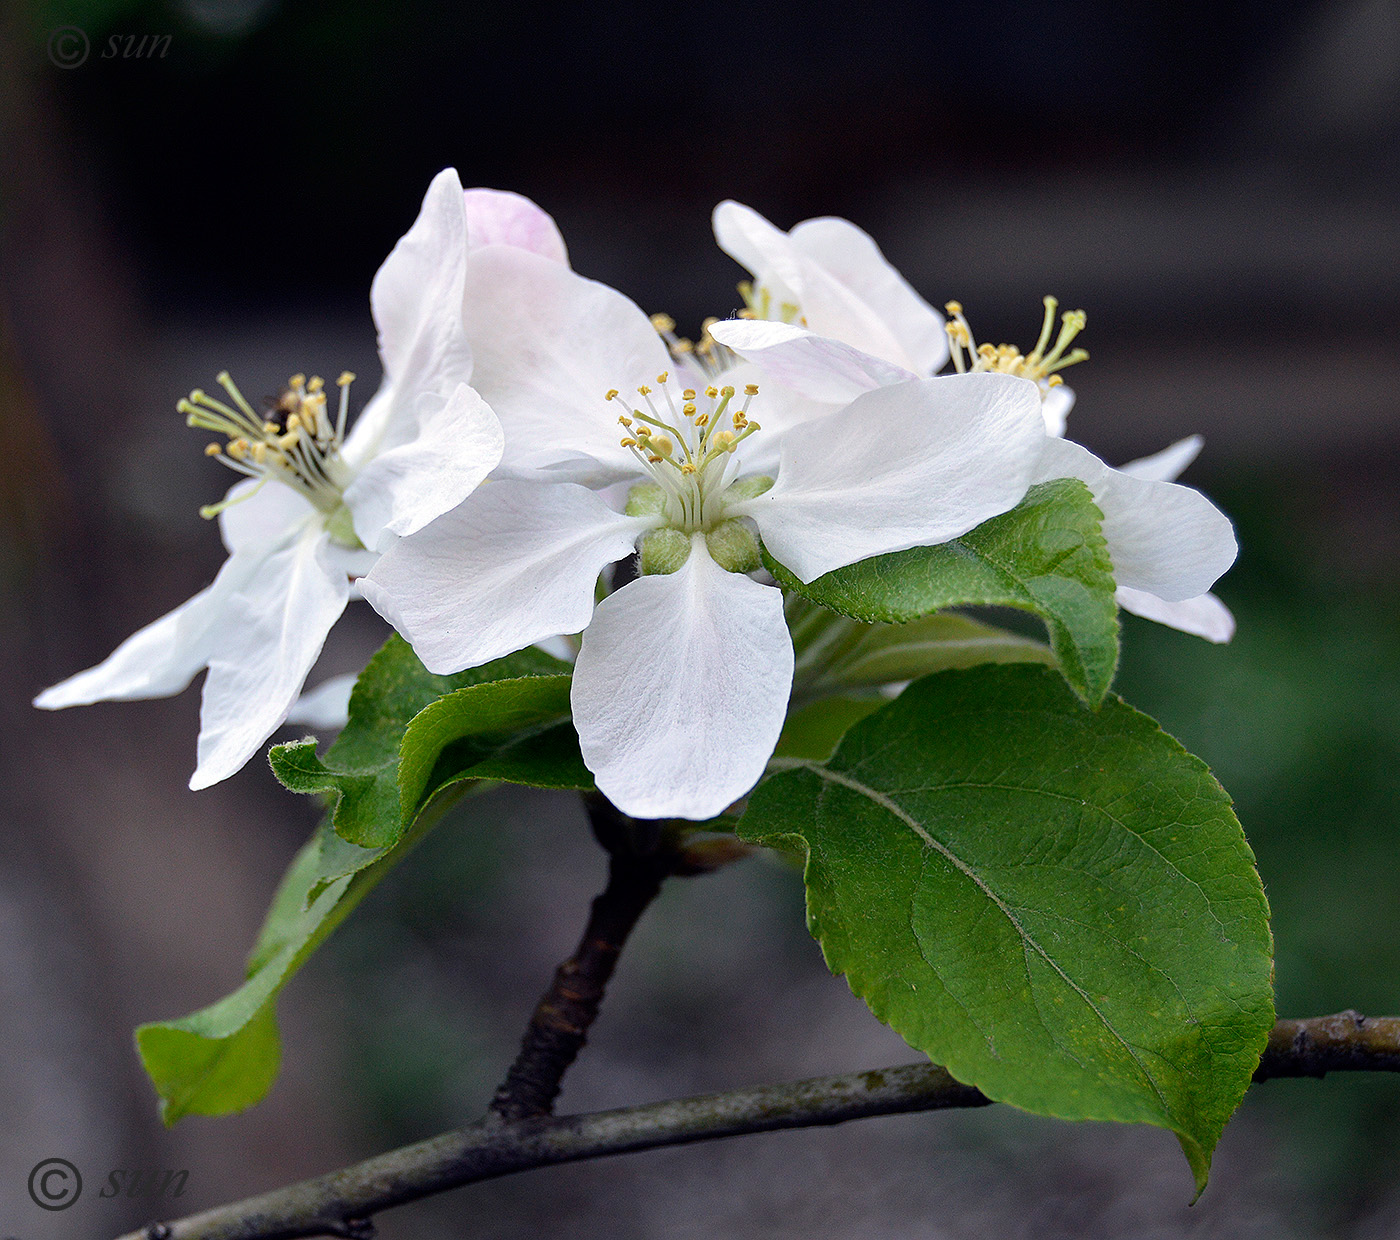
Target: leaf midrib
[1028,941]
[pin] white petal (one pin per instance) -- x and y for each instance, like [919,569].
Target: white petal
[549,345]
[499,217]
[1163,538]
[272,634]
[162,658]
[1166,465]
[681,689]
[851,255]
[909,465]
[263,518]
[326,707]
[826,305]
[1055,406]
[516,563]
[1204,616]
[811,365]
[416,298]
[402,490]
[418,288]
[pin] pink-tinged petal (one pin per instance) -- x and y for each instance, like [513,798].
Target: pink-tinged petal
[824,303]
[1203,616]
[910,465]
[813,366]
[1166,465]
[1164,539]
[851,255]
[1055,406]
[402,490]
[549,345]
[515,563]
[263,513]
[271,635]
[681,688]
[499,217]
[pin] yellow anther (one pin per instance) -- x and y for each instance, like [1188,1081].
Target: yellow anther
[316,384]
[295,381]
[213,449]
[1054,381]
[610,394]
[270,428]
[238,449]
[687,469]
[688,409]
[293,422]
[347,377]
[703,420]
[663,323]
[624,419]
[751,389]
[662,377]
[682,346]
[629,443]
[644,390]
[746,314]
[712,392]
[688,394]
[643,432]
[727,392]
[954,307]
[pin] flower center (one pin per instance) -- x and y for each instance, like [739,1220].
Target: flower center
[688,453]
[710,357]
[1007,359]
[293,441]
[760,303]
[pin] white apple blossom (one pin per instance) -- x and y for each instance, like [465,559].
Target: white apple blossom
[318,504]
[842,320]
[683,674]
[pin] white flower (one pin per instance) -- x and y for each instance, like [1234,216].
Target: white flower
[847,322]
[317,504]
[830,277]
[683,675]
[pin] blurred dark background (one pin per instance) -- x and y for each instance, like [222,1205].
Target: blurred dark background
[1217,186]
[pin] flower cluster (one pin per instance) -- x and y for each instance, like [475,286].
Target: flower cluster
[544,460]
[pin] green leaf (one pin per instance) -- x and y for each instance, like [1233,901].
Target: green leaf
[814,730]
[1058,904]
[836,653]
[412,733]
[225,1057]
[1047,556]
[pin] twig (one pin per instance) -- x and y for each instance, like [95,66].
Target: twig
[1346,1042]
[637,864]
[340,1204]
